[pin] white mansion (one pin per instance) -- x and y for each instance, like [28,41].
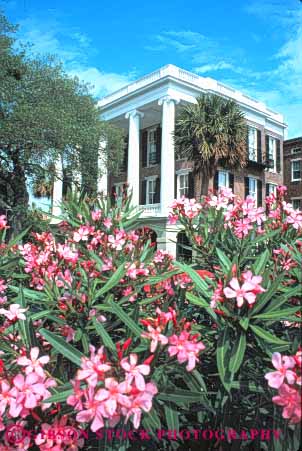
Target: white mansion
[146,110]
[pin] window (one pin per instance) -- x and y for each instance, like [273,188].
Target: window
[271,189]
[252,144]
[253,188]
[297,203]
[183,248]
[296,149]
[272,153]
[296,170]
[183,185]
[151,150]
[223,179]
[151,191]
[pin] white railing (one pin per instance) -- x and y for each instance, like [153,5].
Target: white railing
[150,209]
[205,83]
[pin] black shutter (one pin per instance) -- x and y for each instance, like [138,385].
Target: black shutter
[175,186]
[259,193]
[231,181]
[143,192]
[157,191]
[267,148]
[113,196]
[144,147]
[267,189]
[215,182]
[278,156]
[125,160]
[247,143]
[259,149]
[158,145]
[191,190]
[246,186]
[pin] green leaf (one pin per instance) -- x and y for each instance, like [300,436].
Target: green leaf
[244,323]
[112,282]
[151,420]
[172,419]
[201,303]
[224,261]
[223,347]
[60,396]
[122,315]
[279,314]
[260,263]
[101,331]
[61,345]
[237,353]
[267,336]
[200,283]
[264,298]
[179,396]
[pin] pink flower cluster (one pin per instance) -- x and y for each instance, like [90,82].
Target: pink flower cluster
[111,393]
[247,291]
[3,288]
[287,380]
[24,393]
[184,345]
[3,222]
[188,208]
[59,436]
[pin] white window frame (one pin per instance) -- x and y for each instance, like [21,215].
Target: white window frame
[255,197]
[148,180]
[274,191]
[227,179]
[153,143]
[182,173]
[295,150]
[292,170]
[296,198]
[273,155]
[252,147]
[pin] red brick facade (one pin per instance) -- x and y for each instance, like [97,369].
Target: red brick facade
[293,152]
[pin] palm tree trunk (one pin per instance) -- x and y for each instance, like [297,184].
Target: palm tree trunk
[204,186]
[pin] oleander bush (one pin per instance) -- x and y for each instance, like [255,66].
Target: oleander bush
[101,332]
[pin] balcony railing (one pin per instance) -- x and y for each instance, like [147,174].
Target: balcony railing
[150,209]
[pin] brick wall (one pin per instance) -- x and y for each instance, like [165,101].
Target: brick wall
[294,189]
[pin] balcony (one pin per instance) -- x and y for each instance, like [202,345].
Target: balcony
[150,210]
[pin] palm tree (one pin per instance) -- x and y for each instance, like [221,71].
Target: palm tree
[211,132]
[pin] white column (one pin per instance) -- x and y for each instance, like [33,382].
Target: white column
[167,171]
[57,193]
[133,154]
[102,183]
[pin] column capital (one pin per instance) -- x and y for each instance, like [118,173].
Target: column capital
[133,114]
[167,99]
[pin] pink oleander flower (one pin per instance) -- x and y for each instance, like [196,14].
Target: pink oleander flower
[94,368]
[290,399]
[156,336]
[3,222]
[75,399]
[5,396]
[34,364]
[3,286]
[241,293]
[140,401]
[282,364]
[107,223]
[117,242]
[134,371]
[93,411]
[26,393]
[113,396]
[14,313]
[96,215]
[82,234]
[253,280]
[68,332]
[242,227]
[67,254]
[186,348]
[173,218]
[58,436]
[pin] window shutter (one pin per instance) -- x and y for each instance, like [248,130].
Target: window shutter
[215,182]
[259,193]
[113,196]
[143,192]
[247,143]
[278,156]
[266,148]
[191,190]
[157,191]
[175,186]
[158,145]
[267,189]
[246,186]
[125,160]
[259,149]
[144,147]
[231,181]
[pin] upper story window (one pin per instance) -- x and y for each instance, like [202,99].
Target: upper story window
[253,188]
[223,179]
[252,144]
[152,147]
[183,185]
[296,169]
[150,190]
[272,153]
[296,150]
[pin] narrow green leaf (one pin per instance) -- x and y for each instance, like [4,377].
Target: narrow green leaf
[224,261]
[279,314]
[172,419]
[101,331]
[267,336]
[237,353]
[60,396]
[201,303]
[200,283]
[260,263]
[223,347]
[266,297]
[244,323]
[61,345]
[112,282]
[122,315]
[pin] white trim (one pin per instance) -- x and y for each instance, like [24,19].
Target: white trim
[179,174]
[150,179]
[256,187]
[183,171]
[295,150]
[255,148]
[227,178]
[274,169]
[292,172]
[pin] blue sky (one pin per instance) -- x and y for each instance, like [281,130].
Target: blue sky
[254,46]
